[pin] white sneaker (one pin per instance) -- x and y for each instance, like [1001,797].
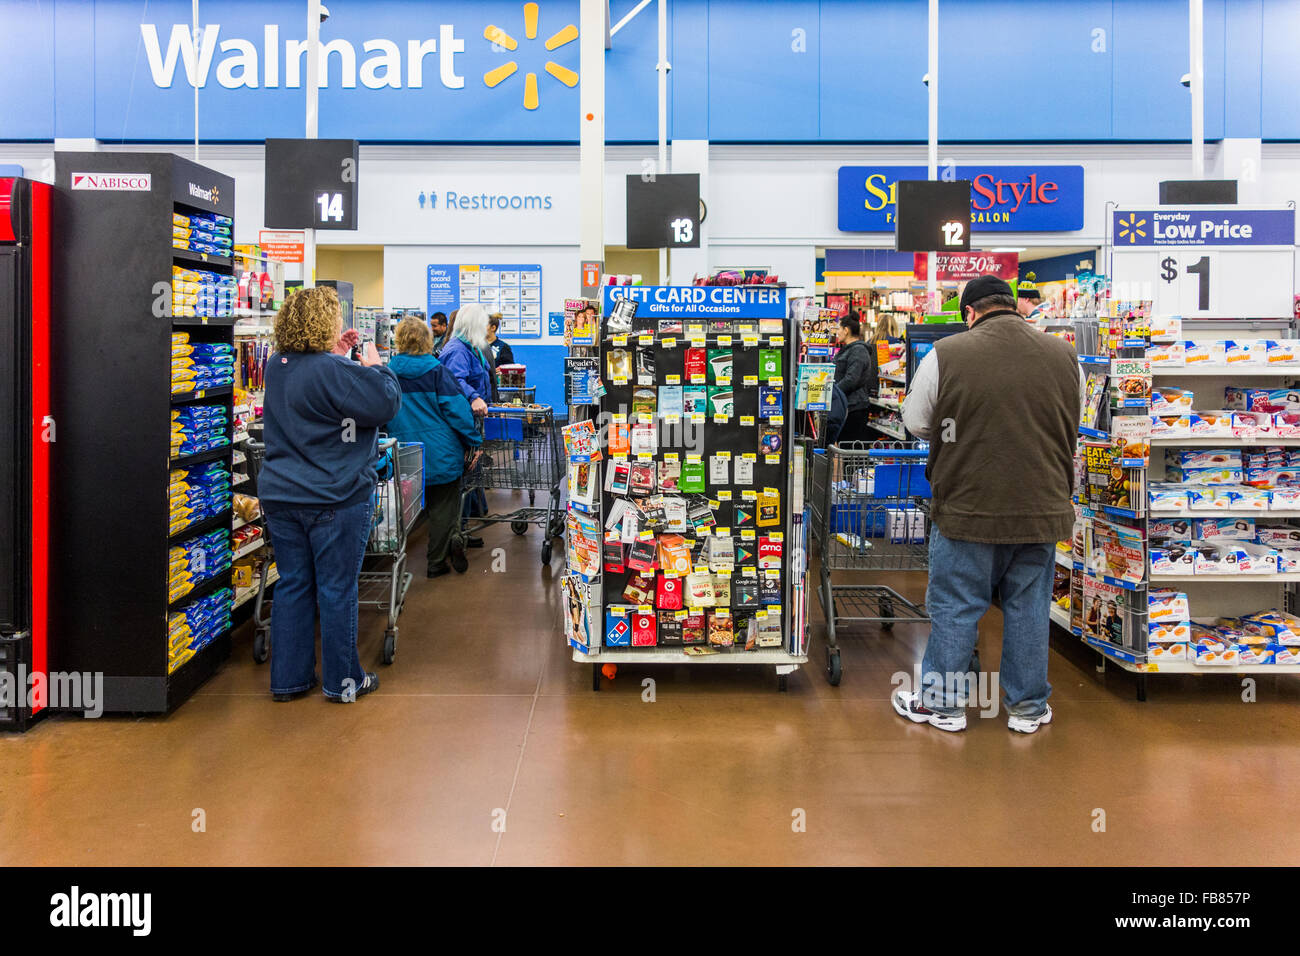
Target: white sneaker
[908,704]
[1028,725]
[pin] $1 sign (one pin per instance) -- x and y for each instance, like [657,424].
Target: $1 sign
[1200,269]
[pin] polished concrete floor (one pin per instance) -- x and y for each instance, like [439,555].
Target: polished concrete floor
[486,745]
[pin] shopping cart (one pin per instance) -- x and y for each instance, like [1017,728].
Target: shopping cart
[870,512]
[521,451]
[255,454]
[398,502]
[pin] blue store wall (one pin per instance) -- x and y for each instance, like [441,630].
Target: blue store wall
[779,71]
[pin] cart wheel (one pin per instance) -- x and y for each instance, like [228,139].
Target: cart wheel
[833,672]
[557,528]
[519,527]
[390,645]
[546,552]
[261,644]
[782,685]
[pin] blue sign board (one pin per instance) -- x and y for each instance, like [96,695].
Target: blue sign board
[1003,198]
[701,301]
[1210,226]
[514,291]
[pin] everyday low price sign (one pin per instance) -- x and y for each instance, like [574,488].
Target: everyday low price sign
[1003,198]
[1212,226]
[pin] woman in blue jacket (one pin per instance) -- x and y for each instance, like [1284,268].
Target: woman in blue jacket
[468,356]
[435,412]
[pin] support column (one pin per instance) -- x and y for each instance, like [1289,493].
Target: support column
[591,127]
[691,156]
[1196,40]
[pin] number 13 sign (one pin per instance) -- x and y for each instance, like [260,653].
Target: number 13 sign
[1206,262]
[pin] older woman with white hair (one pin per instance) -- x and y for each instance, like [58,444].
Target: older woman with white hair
[466,356]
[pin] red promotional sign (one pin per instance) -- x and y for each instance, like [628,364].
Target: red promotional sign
[959,266]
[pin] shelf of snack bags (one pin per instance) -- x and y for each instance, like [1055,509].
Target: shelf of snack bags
[648,552]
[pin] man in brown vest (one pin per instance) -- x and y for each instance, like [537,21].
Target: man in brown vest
[999,405]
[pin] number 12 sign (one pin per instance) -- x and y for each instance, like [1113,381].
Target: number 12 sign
[933,216]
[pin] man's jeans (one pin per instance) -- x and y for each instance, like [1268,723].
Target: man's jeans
[318,552]
[963,578]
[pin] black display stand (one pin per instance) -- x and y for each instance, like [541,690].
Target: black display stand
[112,409]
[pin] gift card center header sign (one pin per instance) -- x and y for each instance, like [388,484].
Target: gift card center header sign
[700,301]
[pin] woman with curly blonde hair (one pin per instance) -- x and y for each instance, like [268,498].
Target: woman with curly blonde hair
[323,413]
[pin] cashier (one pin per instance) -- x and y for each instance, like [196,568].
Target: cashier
[1029,301]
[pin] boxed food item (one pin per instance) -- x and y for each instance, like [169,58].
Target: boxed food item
[1166,354]
[1210,637]
[1170,529]
[1168,632]
[1285,655]
[1241,352]
[1165,653]
[1172,559]
[1205,657]
[1206,476]
[1280,352]
[1288,561]
[1231,529]
[1171,426]
[1255,499]
[1276,625]
[1171,401]
[1166,604]
[1167,497]
[1204,352]
[1286,424]
[1238,557]
[1254,653]
[1252,424]
[1284,499]
[1166,328]
[1207,458]
[1211,424]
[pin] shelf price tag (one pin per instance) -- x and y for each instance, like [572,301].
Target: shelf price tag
[618,418]
[695,459]
[722,532]
[697,341]
[681,615]
[724,339]
[723,380]
[645,340]
[776,420]
[697,379]
[749,340]
[750,380]
[747,420]
[669,342]
[724,494]
[772,459]
[620,340]
[670,456]
[747,534]
[777,340]
[697,417]
[721,419]
[673,379]
[672,418]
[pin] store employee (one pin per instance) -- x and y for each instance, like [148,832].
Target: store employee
[1029,301]
[999,404]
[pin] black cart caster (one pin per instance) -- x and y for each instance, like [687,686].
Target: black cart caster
[261,644]
[519,527]
[390,645]
[546,552]
[557,528]
[833,672]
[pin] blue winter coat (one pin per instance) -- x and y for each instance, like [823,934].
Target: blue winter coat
[471,369]
[433,412]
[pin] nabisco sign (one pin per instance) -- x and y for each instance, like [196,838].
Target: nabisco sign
[116,182]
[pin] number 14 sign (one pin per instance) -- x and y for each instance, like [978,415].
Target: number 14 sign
[1206,262]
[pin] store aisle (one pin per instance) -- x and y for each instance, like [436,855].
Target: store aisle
[714,771]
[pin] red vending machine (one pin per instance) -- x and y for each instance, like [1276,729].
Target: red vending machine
[26,431]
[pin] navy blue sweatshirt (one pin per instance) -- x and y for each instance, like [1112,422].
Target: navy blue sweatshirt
[323,414]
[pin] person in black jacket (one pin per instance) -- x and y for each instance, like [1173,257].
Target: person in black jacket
[855,374]
[502,353]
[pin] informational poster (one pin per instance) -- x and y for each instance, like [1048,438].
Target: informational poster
[514,291]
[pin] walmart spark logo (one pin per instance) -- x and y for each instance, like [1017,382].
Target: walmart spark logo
[1131,228]
[495,34]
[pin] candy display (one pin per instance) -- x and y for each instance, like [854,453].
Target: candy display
[197,624]
[196,560]
[198,493]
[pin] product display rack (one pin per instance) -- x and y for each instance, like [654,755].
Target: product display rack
[732,436]
[113,413]
[1209,595]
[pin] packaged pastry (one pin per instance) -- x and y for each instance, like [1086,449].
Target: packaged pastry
[1171,401]
[1164,653]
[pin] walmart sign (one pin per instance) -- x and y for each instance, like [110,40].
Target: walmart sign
[1003,198]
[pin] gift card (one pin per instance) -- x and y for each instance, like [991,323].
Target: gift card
[769,363]
[695,400]
[643,629]
[613,552]
[695,363]
[722,401]
[720,366]
[745,469]
[641,477]
[670,628]
[770,401]
[769,508]
[645,366]
[692,479]
[670,473]
[643,403]
[618,628]
[719,469]
[671,400]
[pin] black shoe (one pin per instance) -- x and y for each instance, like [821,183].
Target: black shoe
[473,542]
[285,698]
[458,560]
[439,571]
[371,683]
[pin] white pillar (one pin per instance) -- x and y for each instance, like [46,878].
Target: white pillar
[591,130]
[1242,160]
[692,156]
[662,67]
[1196,30]
[313,126]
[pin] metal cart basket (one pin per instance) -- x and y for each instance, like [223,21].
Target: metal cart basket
[521,451]
[399,499]
[870,512]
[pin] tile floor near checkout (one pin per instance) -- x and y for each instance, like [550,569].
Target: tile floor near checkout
[486,745]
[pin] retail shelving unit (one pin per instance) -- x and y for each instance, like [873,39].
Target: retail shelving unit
[730,437]
[1209,595]
[112,461]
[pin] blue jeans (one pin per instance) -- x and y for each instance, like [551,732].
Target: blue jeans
[963,578]
[318,552]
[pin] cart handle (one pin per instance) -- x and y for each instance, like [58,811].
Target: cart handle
[897,453]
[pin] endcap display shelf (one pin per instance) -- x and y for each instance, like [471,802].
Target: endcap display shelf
[113,405]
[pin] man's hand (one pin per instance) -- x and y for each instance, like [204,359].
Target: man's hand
[370,355]
[478,406]
[347,342]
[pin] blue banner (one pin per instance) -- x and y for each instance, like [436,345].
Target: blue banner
[1212,226]
[701,301]
[1002,198]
